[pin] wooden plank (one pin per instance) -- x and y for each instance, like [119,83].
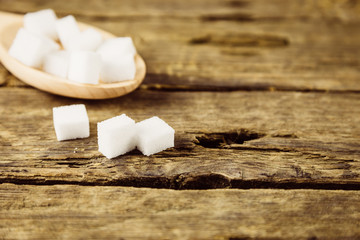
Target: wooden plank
[257,46]
[264,9]
[75,212]
[223,139]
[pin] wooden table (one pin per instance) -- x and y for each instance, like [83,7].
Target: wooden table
[264,98]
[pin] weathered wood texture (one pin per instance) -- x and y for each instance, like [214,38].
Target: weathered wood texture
[288,45]
[225,137]
[337,10]
[306,139]
[74,212]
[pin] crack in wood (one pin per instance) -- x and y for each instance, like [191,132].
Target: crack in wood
[204,181]
[225,139]
[264,87]
[285,135]
[170,83]
[198,88]
[73,164]
[256,87]
[262,149]
[191,181]
[265,238]
[247,17]
[241,40]
[291,184]
[238,17]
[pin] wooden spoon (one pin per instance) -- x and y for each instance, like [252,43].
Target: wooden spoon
[11,23]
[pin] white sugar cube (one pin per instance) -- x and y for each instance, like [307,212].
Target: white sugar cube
[41,22]
[117,46]
[71,122]
[154,135]
[31,49]
[56,63]
[118,68]
[67,28]
[84,67]
[116,136]
[88,40]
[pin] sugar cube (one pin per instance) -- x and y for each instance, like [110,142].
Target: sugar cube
[71,122]
[154,135]
[30,48]
[116,46]
[88,40]
[67,28]
[56,63]
[84,67]
[118,68]
[116,136]
[41,22]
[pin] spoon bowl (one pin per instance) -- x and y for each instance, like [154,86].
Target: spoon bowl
[11,23]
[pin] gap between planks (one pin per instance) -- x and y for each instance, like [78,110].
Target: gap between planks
[198,182]
[11,83]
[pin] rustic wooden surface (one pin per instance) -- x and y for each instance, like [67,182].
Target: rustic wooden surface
[262,94]
[293,138]
[40,212]
[230,44]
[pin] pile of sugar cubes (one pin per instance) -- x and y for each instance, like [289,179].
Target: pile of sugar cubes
[58,47]
[117,135]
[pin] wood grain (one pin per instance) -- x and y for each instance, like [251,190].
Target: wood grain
[74,212]
[339,10]
[231,45]
[262,94]
[223,139]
